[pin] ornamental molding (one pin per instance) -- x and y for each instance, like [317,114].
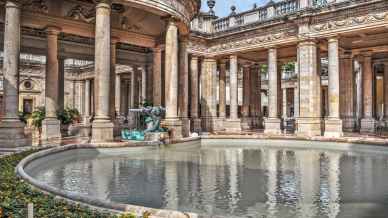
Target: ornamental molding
[350,22]
[83,13]
[39,6]
[243,42]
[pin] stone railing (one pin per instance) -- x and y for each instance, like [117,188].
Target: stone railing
[258,14]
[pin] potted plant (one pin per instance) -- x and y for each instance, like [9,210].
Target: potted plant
[67,117]
[37,117]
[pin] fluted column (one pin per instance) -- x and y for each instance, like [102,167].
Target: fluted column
[11,129]
[157,76]
[102,129]
[143,84]
[256,96]
[386,92]
[118,93]
[233,124]
[208,95]
[309,120]
[246,120]
[51,126]
[368,123]
[87,113]
[171,80]
[246,90]
[184,87]
[233,88]
[222,90]
[196,122]
[272,123]
[333,124]
[347,92]
[112,88]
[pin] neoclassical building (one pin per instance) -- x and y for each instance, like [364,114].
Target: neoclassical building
[310,67]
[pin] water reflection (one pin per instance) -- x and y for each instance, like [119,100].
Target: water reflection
[233,182]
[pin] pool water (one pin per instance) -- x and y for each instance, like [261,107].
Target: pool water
[229,178]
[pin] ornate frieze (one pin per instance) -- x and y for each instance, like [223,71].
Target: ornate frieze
[36,6]
[244,41]
[80,12]
[350,22]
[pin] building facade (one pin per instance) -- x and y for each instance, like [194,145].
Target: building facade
[311,67]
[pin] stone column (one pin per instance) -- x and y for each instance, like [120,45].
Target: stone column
[143,84]
[102,128]
[254,94]
[112,88]
[347,92]
[171,81]
[11,129]
[309,120]
[386,92]
[296,90]
[273,123]
[118,94]
[246,121]
[61,84]
[368,123]
[284,105]
[131,91]
[184,87]
[208,95]
[157,80]
[51,126]
[196,122]
[333,124]
[222,90]
[233,123]
[87,114]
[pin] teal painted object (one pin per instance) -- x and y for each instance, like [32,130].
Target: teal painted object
[152,118]
[132,135]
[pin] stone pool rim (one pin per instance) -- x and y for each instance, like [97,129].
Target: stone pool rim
[140,210]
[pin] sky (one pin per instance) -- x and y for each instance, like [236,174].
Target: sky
[222,7]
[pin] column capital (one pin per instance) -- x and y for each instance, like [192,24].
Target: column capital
[194,57]
[53,30]
[333,39]
[14,3]
[103,3]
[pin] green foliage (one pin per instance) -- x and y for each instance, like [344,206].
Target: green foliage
[24,116]
[38,116]
[147,103]
[290,67]
[15,194]
[68,116]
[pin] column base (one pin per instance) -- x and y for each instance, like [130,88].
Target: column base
[246,123]
[232,125]
[185,127]
[12,134]
[51,129]
[368,125]
[309,127]
[212,124]
[116,127]
[174,127]
[102,131]
[333,128]
[196,125]
[272,126]
[81,130]
[349,124]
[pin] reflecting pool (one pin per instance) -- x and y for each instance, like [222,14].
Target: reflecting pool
[229,178]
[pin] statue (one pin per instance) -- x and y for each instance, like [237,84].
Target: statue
[152,117]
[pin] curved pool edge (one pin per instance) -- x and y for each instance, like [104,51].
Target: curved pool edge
[140,210]
[87,201]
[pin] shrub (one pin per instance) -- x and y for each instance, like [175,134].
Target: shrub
[38,116]
[15,194]
[68,116]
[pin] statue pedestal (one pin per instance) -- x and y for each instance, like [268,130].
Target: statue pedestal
[156,136]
